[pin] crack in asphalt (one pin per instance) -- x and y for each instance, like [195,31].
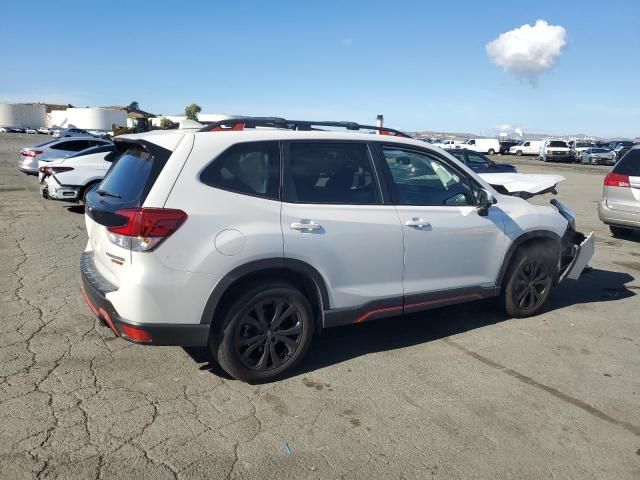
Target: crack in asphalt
[551,390]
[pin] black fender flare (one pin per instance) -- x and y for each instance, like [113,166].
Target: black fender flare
[517,243]
[256,266]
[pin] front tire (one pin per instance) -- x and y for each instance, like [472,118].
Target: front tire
[264,333]
[519,153]
[620,231]
[528,282]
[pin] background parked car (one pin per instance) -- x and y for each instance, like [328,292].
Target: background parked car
[505,145]
[479,163]
[622,152]
[555,150]
[528,147]
[482,145]
[54,149]
[31,131]
[620,204]
[45,131]
[71,132]
[579,146]
[598,156]
[70,178]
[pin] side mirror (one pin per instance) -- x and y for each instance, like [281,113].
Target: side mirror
[485,200]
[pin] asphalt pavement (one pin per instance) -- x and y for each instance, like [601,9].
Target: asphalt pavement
[457,393]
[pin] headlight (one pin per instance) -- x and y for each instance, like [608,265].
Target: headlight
[566,212]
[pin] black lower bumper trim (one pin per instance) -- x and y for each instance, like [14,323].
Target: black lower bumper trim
[189,335]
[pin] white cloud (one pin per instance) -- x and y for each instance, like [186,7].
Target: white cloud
[528,51]
[347,42]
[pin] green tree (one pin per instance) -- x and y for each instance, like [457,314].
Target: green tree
[167,124]
[192,111]
[133,106]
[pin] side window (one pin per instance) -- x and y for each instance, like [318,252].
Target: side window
[420,179]
[477,160]
[250,168]
[70,146]
[339,173]
[459,156]
[472,142]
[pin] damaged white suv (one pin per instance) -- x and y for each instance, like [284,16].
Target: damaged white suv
[253,234]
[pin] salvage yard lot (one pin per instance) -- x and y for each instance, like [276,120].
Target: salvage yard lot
[460,392]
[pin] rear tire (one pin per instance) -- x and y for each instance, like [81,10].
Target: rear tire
[529,280]
[491,151]
[620,231]
[264,333]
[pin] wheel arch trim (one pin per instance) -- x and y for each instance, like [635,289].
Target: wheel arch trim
[518,242]
[257,266]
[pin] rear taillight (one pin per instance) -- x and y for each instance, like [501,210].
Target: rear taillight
[30,153]
[145,228]
[617,180]
[53,170]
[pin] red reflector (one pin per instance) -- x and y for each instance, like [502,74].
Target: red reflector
[136,334]
[617,180]
[149,222]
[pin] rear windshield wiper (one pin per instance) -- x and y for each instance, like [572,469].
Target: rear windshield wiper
[107,194]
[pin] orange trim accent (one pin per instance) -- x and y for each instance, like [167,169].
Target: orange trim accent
[100,313]
[365,316]
[86,299]
[107,319]
[236,127]
[362,318]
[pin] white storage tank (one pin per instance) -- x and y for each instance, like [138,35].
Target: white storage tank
[89,118]
[22,115]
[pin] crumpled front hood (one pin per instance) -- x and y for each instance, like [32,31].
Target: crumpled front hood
[522,185]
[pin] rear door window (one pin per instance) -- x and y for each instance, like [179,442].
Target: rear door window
[629,164]
[330,173]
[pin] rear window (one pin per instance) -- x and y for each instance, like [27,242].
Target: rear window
[629,164]
[46,143]
[250,168]
[92,150]
[128,178]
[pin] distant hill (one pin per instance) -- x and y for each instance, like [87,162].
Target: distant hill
[528,136]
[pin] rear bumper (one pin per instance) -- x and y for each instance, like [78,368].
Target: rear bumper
[95,289]
[28,171]
[618,217]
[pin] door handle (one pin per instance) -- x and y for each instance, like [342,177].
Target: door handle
[307,226]
[417,222]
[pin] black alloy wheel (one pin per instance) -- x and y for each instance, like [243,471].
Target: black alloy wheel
[531,285]
[262,332]
[268,334]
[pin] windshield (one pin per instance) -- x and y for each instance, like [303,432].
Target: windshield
[582,144]
[556,143]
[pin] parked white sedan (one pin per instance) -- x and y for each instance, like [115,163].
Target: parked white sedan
[70,178]
[54,150]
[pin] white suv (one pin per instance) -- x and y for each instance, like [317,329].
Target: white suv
[252,235]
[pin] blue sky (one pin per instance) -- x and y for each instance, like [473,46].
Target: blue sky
[422,64]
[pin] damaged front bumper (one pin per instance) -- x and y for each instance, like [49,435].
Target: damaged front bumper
[577,252]
[51,188]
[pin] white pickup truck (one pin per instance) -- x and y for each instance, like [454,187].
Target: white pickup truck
[528,147]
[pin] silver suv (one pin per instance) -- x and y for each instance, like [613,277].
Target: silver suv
[620,204]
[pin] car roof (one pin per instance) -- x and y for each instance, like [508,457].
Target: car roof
[265,134]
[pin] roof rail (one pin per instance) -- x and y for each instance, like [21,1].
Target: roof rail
[240,123]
